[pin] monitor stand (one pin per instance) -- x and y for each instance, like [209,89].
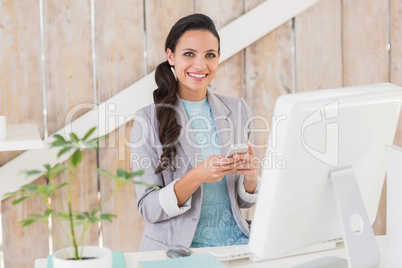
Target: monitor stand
[361,247]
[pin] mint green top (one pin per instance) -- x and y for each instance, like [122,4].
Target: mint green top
[217,226]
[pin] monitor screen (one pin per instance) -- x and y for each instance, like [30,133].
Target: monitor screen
[318,132]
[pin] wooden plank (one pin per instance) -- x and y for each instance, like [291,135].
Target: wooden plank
[126,231]
[69,84]
[160,17]
[229,79]
[120,62]
[268,74]
[318,34]
[268,68]
[396,54]
[20,86]
[68,59]
[119,45]
[21,246]
[20,83]
[365,39]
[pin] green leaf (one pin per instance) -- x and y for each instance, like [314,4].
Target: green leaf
[30,187]
[62,215]
[89,133]
[32,172]
[16,201]
[94,211]
[106,173]
[135,174]
[61,185]
[80,217]
[58,137]
[93,219]
[99,138]
[76,158]
[11,194]
[73,137]
[63,151]
[89,145]
[57,169]
[107,217]
[121,172]
[47,166]
[42,189]
[27,222]
[59,143]
[48,212]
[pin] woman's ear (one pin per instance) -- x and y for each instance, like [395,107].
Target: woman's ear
[170,56]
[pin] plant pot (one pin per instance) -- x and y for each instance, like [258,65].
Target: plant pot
[97,258]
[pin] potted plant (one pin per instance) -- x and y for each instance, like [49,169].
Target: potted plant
[77,255]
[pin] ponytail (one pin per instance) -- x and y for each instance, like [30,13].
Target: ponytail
[165,98]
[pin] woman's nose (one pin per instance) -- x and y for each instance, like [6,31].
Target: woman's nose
[199,63]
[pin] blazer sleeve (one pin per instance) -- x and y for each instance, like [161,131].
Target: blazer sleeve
[246,200]
[153,205]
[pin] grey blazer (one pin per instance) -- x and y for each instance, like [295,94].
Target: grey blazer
[166,223]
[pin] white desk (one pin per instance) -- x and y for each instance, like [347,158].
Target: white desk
[133,257]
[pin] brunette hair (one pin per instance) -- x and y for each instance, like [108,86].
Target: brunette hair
[165,96]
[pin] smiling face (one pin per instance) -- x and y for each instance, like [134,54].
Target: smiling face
[195,61]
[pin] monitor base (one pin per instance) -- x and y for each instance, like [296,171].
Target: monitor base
[325,262]
[360,244]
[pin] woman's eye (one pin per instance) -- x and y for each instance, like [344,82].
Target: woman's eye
[189,54]
[211,55]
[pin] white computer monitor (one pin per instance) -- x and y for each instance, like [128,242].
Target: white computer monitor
[318,132]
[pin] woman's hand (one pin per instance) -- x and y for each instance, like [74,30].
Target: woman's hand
[248,167]
[215,167]
[212,169]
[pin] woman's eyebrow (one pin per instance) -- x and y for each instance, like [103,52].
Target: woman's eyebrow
[191,49]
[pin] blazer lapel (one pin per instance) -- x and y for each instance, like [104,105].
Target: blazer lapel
[220,114]
[226,134]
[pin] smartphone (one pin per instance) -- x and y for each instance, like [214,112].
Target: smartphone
[237,149]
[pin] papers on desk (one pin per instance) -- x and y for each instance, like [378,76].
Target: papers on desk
[194,261]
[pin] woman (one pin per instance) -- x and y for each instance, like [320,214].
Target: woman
[180,142]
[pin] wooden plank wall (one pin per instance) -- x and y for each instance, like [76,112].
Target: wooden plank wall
[120,46]
[334,43]
[21,101]
[396,53]
[268,74]
[68,79]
